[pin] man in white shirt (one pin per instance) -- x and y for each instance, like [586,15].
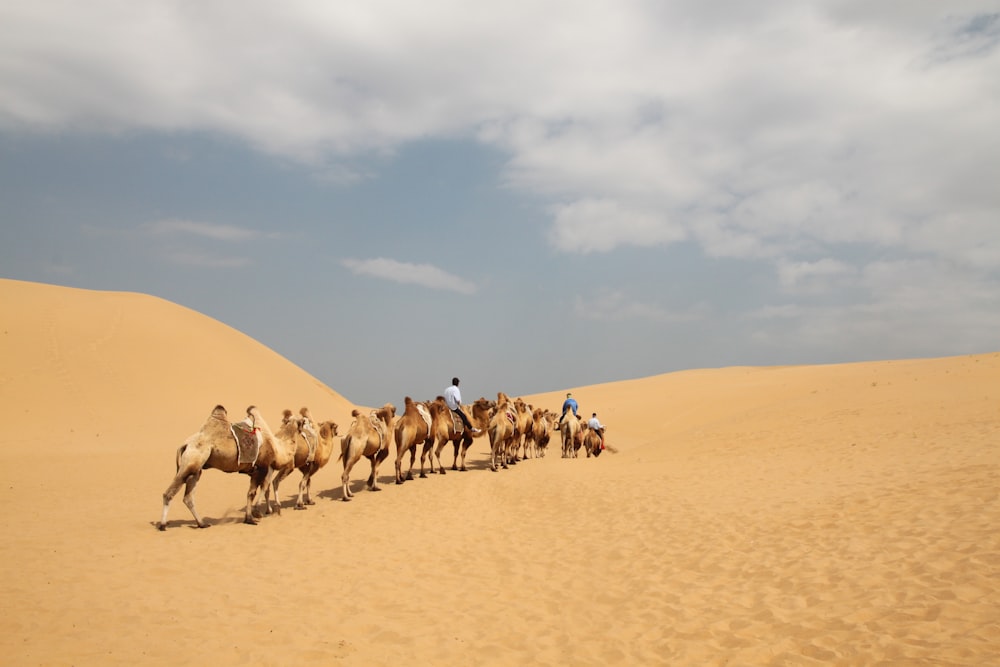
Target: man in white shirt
[596,425]
[453,399]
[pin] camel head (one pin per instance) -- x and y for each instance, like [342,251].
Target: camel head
[437,406]
[483,406]
[386,413]
[328,429]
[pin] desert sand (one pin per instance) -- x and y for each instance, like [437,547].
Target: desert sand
[807,515]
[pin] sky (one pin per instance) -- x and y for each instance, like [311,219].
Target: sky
[531,196]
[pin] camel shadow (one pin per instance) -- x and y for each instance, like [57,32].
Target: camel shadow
[191,523]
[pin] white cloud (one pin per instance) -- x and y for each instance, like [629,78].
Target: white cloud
[824,275]
[203,229]
[777,132]
[424,275]
[615,306]
[206,260]
[909,308]
[601,225]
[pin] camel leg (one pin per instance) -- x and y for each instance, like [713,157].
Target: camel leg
[413,458]
[347,456]
[303,491]
[168,495]
[464,446]
[275,479]
[262,504]
[373,478]
[427,452]
[376,459]
[309,484]
[192,482]
[345,480]
[493,456]
[399,465]
[436,456]
[372,481]
[257,479]
[188,480]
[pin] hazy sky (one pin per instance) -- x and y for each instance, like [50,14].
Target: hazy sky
[529,195]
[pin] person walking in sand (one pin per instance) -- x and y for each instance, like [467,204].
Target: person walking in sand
[453,399]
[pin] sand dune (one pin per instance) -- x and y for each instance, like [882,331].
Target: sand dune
[802,515]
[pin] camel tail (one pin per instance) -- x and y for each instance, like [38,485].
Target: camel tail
[180,453]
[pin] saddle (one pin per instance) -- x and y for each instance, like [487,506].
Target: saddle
[457,424]
[311,438]
[426,415]
[247,442]
[380,428]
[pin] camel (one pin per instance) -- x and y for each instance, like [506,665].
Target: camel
[313,449]
[541,424]
[412,428]
[448,427]
[369,436]
[501,429]
[570,431]
[215,446]
[592,442]
[522,436]
[322,454]
[293,432]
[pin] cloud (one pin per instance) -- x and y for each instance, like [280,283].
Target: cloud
[206,260]
[600,225]
[615,306]
[824,275]
[906,307]
[424,275]
[780,132]
[973,37]
[204,229]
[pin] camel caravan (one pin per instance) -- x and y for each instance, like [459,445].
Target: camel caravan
[514,429]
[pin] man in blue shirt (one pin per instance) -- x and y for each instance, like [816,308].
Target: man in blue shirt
[568,404]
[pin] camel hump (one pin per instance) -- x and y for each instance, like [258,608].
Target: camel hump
[355,413]
[286,415]
[305,412]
